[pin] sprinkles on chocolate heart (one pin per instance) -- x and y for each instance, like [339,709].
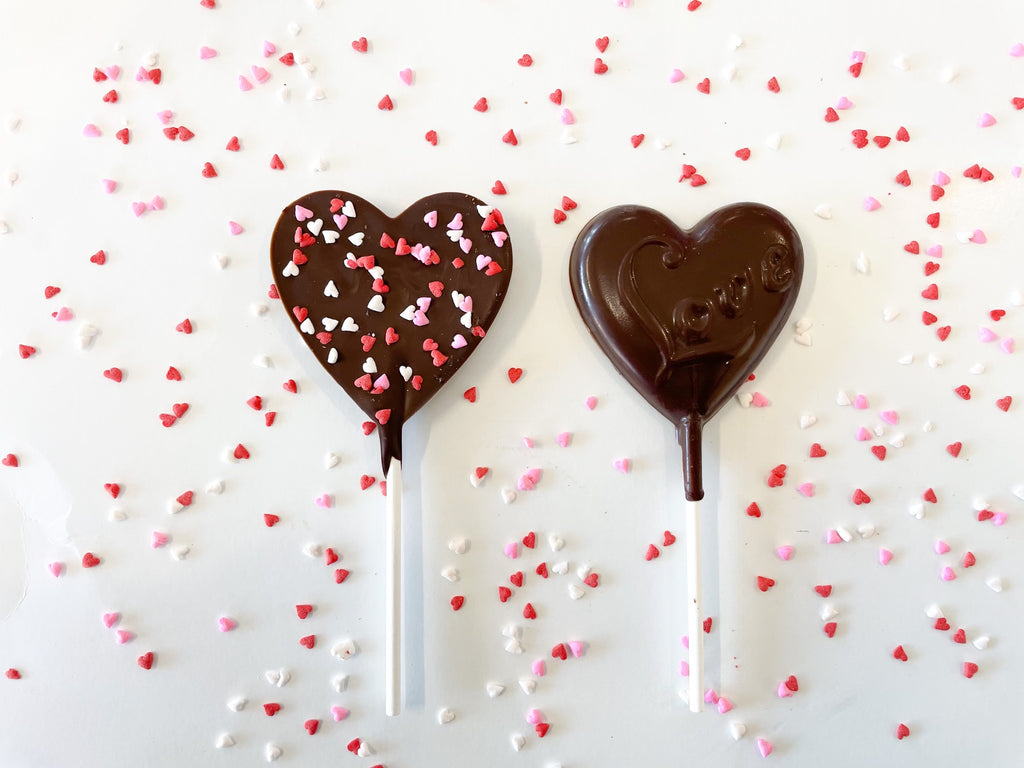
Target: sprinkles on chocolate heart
[391,307]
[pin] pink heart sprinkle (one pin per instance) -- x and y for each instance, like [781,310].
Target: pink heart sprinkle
[724,705]
[986,120]
[1017,49]
[110,619]
[978,236]
[301,214]
[244,84]
[534,716]
[499,238]
[675,76]
[934,251]
[860,402]
[338,713]
[889,417]
[466,245]
[940,179]
[764,747]
[269,49]
[710,697]
[759,401]
[406,76]
[870,204]
[684,669]
[91,131]
[466,305]
[1006,345]
[259,73]
[1015,171]
[113,71]
[423,303]
[340,220]
[563,439]
[941,547]
[527,442]
[456,222]
[124,636]
[857,57]
[109,186]
[430,219]
[947,574]
[323,500]
[206,52]
[833,537]
[863,434]
[843,103]
[225,624]
[139,208]
[512,549]
[884,556]
[63,315]
[685,640]
[986,335]
[785,552]
[164,116]
[998,518]
[806,489]
[482,261]
[622,465]
[419,318]
[141,75]
[591,403]
[782,691]
[459,341]
[234,228]
[575,648]
[156,204]
[566,117]
[538,668]
[56,569]
[159,539]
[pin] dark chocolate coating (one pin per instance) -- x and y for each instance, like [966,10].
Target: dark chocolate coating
[419,262]
[686,315]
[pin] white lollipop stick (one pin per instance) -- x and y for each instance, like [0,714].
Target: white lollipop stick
[393,588]
[694,612]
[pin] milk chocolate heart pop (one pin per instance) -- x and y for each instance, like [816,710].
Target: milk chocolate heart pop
[392,308]
[685,316]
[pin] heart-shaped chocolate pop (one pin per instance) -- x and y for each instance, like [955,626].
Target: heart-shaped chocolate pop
[685,315]
[391,307]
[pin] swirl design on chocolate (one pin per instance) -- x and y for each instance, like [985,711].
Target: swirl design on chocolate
[391,307]
[685,315]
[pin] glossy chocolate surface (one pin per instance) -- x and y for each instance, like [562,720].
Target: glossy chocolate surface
[686,315]
[391,307]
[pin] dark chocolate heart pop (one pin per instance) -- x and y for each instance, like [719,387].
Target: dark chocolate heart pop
[686,315]
[392,308]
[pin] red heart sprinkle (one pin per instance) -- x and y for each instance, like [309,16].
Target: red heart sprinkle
[529,612]
[171,132]
[928,318]
[591,580]
[602,44]
[704,86]
[542,570]
[668,539]
[1018,102]
[209,172]
[936,192]
[340,575]
[541,729]
[929,495]
[185,326]
[791,683]
[859,497]
[743,153]
[113,489]
[185,499]
[953,449]
[943,332]
[431,137]
[303,610]
[276,163]
[959,636]
[881,141]
[498,188]
[365,481]
[774,481]
[930,268]
[941,624]
[268,418]
[481,104]
[115,374]
[383,415]
[100,258]
[931,292]
[360,45]
[241,452]
[831,115]
[504,593]
[385,104]
[997,315]
[311,726]
[290,386]
[559,652]
[830,629]
[687,171]
[707,625]
[985,514]
[10,460]
[824,589]
[970,669]
[817,451]
[330,556]
[168,419]
[509,137]
[184,134]
[514,374]
[773,85]
[457,602]
[932,219]
[270,520]
[179,409]
[470,394]
[1003,403]
[764,583]
[271,709]
[753,510]
[288,59]
[912,247]
[899,653]
[516,579]
[636,140]
[652,552]
[308,641]
[902,731]
[12,674]
[530,540]
[98,75]
[903,178]
[556,96]
[902,134]
[600,67]
[855,68]
[145,660]
[879,451]
[89,560]
[557,216]
[964,391]
[232,145]
[353,746]
[525,60]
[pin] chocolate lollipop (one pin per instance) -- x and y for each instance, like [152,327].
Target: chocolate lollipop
[685,316]
[391,308]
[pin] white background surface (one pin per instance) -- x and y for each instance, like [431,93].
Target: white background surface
[82,700]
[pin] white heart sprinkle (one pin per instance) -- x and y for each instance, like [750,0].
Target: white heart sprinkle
[528,684]
[408,312]
[315,226]
[313,550]
[828,613]
[512,630]
[927,426]
[889,314]
[916,510]
[467,320]
[981,642]
[561,567]
[224,740]
[329,323]
[517,740]
[370,366]
[807,420]
[86,334]
[454,235]
[331,237]
[348,324]
[180,552]
[216,487]
[803,339]
[737,730]
[575,591]
[475,479]
[237,704]
[271,752]
[934,361]
[457,298]
[905,359]
[933,611]
[568,136]
[863,264]
[744,399]
[774,141]
[994,583]
[262,361]
[878,429]
[844,533]
[866,530]
[1017,298]
[555,542]
[364,749]
[508,495]
[376,272]
[331,460]
[450,573]
[349,210]
[582,571]
[947,75]
[729,72]
[221,260]
[897,440]
[823,211]
[357,238]
[290,270]
[445,716]
[660,143]
[340,683]
[117,515]
[273,676]
[259,309]
[495,689]
[307,327]
[977,368]
[901,63]
[513,646]
[1018,491]
[484,210]
[406,371]
[376,304]
[843,398]
[458,546]
[332,356]
[344,649]
[803,325]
